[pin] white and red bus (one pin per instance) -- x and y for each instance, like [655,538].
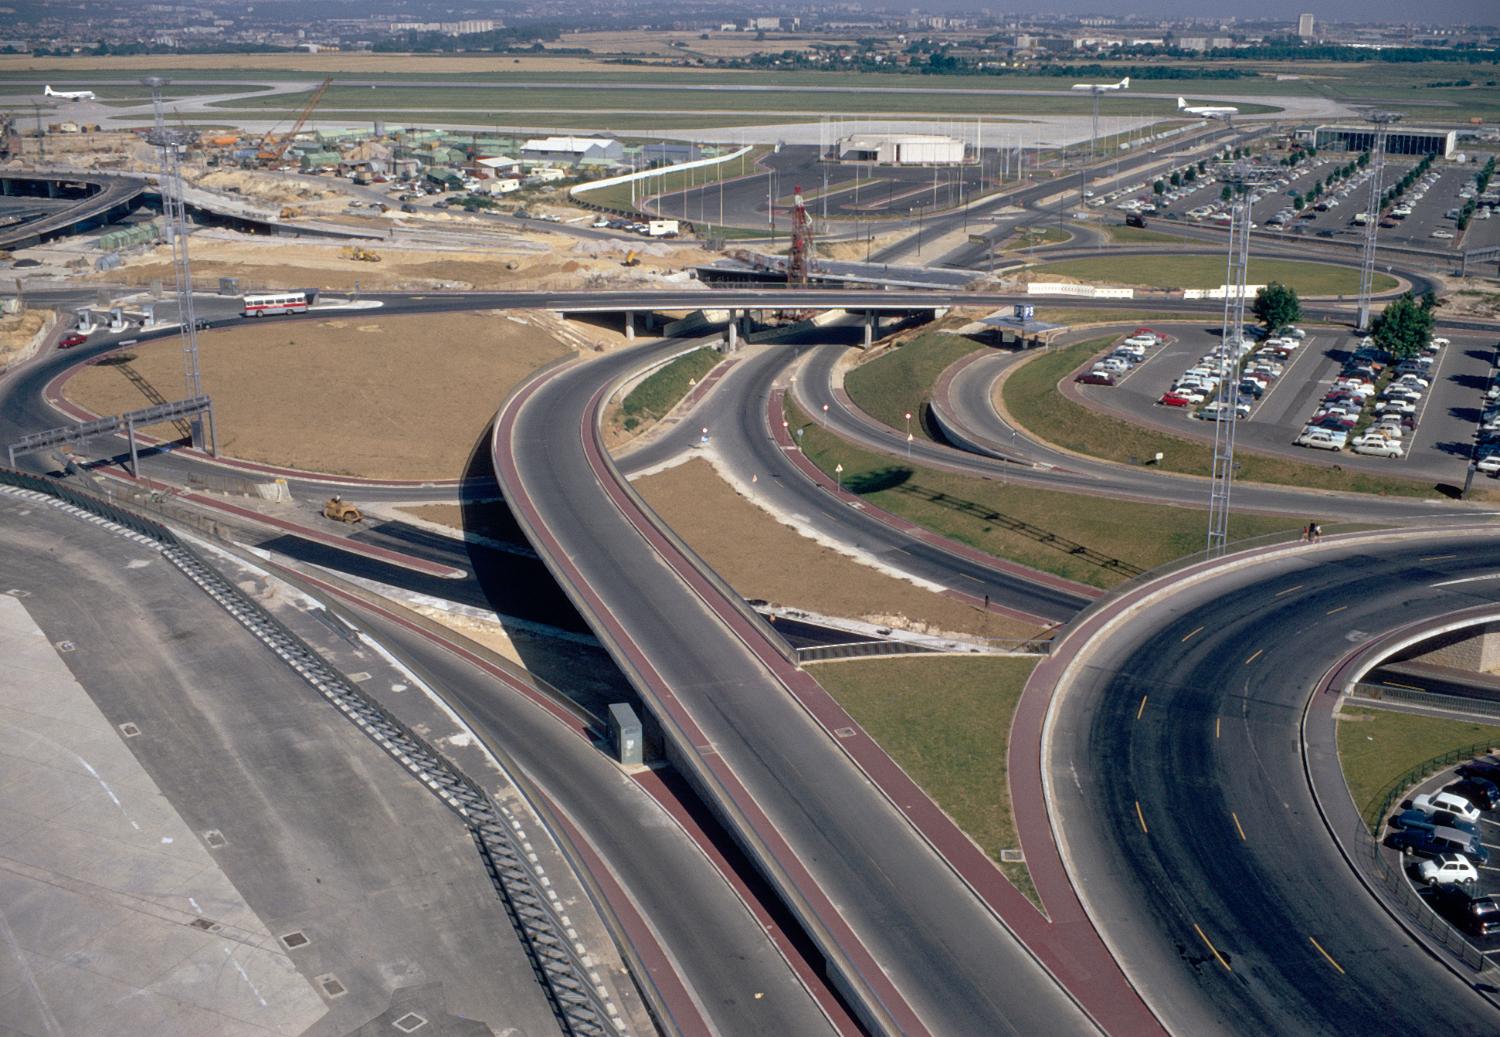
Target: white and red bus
[272,303]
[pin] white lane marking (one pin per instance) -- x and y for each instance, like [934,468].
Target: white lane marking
[1466,579]
[246,977]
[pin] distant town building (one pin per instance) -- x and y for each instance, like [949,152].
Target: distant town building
[468,27]
[905,149]
[572,150]
[1204,42]
[1305,23]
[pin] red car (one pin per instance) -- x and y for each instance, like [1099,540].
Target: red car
[69,341]
[1171,399]
[1095,378]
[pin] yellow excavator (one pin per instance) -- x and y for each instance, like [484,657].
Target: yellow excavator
[632,258]
[360,254]
[341,510]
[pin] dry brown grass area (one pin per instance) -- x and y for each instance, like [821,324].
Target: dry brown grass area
[760,558]
[277,262]
[380,397]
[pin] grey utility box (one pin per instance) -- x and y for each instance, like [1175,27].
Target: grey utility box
[625,735]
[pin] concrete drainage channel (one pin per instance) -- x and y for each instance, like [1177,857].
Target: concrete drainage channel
[582,1009]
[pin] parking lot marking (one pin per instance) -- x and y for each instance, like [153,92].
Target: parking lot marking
[1238,827]
[1486,867]
[1254,656]
[1436,558]
[1210,944]
[1142,709]
[1491,846]
[1326,956]
[1192,635]
[1289,590]
[1217,722]
[1141,818]
[1332,611]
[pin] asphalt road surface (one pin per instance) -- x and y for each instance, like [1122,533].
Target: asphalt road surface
[1176,782]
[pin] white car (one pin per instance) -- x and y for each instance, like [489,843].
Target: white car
[1431,802]
[1489,464]
[1443,234]
[1321,439]
[1448,868]
[1377,446]
[1396,406]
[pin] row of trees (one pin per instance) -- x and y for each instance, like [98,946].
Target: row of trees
[1402,330]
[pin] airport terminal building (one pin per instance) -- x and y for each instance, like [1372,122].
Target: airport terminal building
[1399,140]
[906,149]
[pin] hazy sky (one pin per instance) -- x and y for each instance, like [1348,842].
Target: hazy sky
[1483,12]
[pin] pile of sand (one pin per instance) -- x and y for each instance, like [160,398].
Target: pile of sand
[406,397]
[19,331]
[268,189]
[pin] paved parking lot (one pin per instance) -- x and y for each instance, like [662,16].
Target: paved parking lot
[1489,873]
[1447,417]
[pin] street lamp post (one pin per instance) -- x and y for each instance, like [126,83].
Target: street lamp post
[838,472]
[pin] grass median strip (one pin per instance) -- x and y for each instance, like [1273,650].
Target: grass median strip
[900,380]
[1077,536]
[664,389]
[946,721]
[1207,271]
[1031,397]
[1379,747]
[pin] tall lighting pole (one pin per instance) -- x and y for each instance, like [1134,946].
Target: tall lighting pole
[170,144]
[1382,122]
[1236,275]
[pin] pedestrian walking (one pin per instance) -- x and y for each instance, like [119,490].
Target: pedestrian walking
[1317,532]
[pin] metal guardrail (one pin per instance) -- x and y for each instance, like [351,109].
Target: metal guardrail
[579,1007]
[1458,703]
[1397,787]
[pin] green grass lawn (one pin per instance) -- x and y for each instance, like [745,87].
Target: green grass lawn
[946,721]
[1205,271]
[1033,400]
[617,196]
[1380,748]
[984,513]
[900,381]
[1034,236]
[664,389]
[917,97]
[1142,236]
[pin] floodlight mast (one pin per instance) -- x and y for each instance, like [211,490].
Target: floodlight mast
[1382,122]
[1231,334]
[169,145]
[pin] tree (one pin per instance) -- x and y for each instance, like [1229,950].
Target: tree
[1203,165]
[1176,179]
[1160,187]
[1404,328]
[1298,203]
[1226,194]
[1277,305]
[1190,175]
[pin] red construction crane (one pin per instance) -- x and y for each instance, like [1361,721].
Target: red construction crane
[272,147]
[799,259]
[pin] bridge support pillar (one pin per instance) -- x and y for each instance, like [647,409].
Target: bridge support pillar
[872,327]
[732,333]
[135,457]
[629,325]
[51,188]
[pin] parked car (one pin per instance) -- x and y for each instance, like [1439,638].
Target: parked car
[1448,869]
[1489,464]
[1320,439]
[1478,916]
[1377,446]
[1413,818]
[1095,378]
[1482,793]
[1175,399]
[69,341]
[1431,802]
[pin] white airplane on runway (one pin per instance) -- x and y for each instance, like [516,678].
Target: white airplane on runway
[1099,88]
[1205,111]
[69,95]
